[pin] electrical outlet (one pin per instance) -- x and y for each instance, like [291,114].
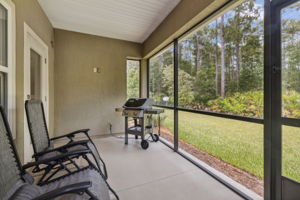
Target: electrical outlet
[110,127]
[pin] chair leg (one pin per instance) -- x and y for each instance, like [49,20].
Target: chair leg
[93,197]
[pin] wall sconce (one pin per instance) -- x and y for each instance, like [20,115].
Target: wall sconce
[96,69]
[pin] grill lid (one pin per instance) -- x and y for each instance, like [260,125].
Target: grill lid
[138,103]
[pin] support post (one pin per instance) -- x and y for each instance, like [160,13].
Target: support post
[176,134]
[272,103]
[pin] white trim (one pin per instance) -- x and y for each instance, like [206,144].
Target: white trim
[11,62]
[28,31]
[34,42]
[4,69]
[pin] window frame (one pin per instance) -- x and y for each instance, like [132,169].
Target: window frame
[176,109]
[10,69]
[294,122]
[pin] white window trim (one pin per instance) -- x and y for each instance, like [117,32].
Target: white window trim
[11,62]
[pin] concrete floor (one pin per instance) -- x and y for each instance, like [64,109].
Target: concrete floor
[157,173]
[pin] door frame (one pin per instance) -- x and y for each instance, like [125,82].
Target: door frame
[34,42]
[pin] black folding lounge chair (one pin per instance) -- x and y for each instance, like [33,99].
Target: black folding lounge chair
[83,184]
[44,149]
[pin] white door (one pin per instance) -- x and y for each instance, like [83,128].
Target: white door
[35,79]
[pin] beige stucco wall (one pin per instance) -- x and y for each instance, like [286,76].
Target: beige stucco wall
[84,99]
[29,11]
[185,15]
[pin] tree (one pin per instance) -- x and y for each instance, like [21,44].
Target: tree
[222,57]
[291,54]
[244,50]
[159,66]
[216,61]
[204,89]
[132,80]
[168,82]
[185,84]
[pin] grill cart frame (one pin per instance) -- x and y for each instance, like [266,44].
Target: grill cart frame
[140,109]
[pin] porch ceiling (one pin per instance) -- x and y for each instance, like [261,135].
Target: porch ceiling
[132,20]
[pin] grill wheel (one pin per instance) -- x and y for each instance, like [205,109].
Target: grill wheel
[145,144]
[155,137]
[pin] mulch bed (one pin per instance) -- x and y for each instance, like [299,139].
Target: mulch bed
[245,178]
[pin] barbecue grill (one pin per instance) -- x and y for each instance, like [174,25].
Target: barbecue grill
[140,109]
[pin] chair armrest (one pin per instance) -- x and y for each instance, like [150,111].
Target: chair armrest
[72,134]
[61,148]
[74,188]
[56,158]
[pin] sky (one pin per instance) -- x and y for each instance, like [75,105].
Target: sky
[291,12]
[288,13]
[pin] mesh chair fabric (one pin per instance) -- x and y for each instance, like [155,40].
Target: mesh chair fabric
[39,133]
[99,187]
[95,152]
[27,192]
[9,170]
[12,186]
[38,129]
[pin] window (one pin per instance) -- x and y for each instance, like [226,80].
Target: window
[221,63]
[161,89]
[7,62]
[221,70]
[219,116]
[161,77]
[164,125]
[233,147]
[290,63]
[133,78]
[290,34]
[220,73]
[3,90]
[3,56]
[3,38]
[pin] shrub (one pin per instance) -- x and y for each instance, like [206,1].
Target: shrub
[245,104]
[251,104]
[291,104]
[204,86]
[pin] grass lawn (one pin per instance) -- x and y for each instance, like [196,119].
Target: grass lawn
[236,142]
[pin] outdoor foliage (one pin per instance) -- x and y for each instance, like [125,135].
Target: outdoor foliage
[133,79]
[221,65]
[291,104]
[241,147]
[244,104]
[162,78]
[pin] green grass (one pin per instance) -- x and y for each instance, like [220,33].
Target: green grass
[236,142]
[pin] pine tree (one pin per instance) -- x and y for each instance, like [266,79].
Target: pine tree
[222,29]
